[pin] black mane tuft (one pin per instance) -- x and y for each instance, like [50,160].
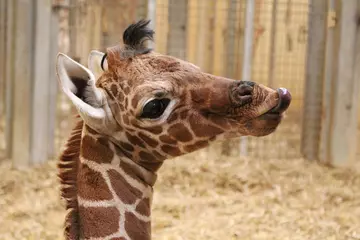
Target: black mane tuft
[136,34]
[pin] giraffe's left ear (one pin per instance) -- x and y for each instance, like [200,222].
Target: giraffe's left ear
[97,63]
[78,83]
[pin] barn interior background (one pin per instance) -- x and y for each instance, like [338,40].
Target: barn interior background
[310,47]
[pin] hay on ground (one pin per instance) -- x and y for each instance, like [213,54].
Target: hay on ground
[204,197]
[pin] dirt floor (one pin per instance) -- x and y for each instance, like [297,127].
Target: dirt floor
[203,197]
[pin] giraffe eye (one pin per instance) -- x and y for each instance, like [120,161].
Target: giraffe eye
[155,108]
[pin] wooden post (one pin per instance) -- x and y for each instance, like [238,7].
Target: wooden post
[162,25]
[10,55]
[192,31]
[272,51]
[329,72]
[231,40]
[3,4]
[205,30]
[176,45]
[314,79]
[219,58]
[343,137]
[151,14]
[53,83]
[31,82]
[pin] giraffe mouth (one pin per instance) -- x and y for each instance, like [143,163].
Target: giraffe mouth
[283,103]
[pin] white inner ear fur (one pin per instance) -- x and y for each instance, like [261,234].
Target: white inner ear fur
[90,104]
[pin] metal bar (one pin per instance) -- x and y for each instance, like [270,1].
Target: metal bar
[247,60]
[248,39]
[314,79]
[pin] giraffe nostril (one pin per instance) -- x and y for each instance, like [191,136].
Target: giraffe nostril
[245,90]
[241,93]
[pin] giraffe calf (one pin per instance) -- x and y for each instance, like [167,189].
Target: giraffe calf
[141,108]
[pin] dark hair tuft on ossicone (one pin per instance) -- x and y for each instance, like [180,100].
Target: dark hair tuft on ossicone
[135,37]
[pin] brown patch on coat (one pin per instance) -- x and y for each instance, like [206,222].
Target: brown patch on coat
[96,150]
[173,117]
[202,129]
[127,193]
[196,146]
[98,222]
[167,139]
[151,142]
[126,146]
[143,207]
[145,156]
[114,90]
[137,229]
[180,132]
[92,185]
[134,140]
[171,150]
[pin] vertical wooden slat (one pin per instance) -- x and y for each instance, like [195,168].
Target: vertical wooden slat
[176,45]
[53,84]
[2,52]
[314,79]
[40,83]
[31,82]
[239,39]
[3,16]
[346,92]
[10,67]
[272,46]
[219,58]
[151,15]
[142,9]
[231,41]
[22,108]
[329,80]
[192,31]
[205,39]
[162,25]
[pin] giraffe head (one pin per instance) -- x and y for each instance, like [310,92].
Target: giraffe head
[156,107]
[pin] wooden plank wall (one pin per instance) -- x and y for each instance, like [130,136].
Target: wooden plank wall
[30,116]
[176,45]
[343,137]
[219,57]
[162,26]
[310,139]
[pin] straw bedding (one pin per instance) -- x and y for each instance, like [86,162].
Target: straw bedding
[207,196]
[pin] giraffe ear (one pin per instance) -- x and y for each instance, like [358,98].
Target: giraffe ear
[97,63]
[78,83]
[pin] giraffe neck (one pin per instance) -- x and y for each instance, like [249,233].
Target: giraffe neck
[114,193]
